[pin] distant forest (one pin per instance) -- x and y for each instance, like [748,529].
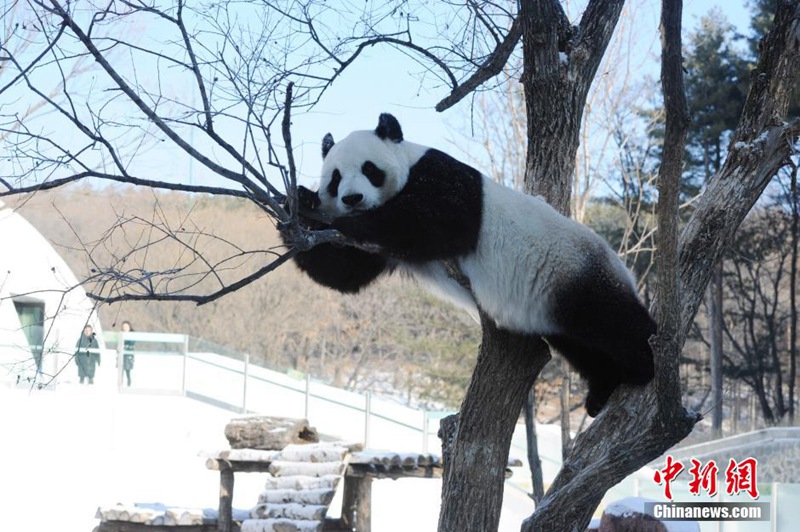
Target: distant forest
[393,338]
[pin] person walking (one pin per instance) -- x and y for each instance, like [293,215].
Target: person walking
[127,350]
[87,355]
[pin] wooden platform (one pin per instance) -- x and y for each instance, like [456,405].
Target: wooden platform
[300,486]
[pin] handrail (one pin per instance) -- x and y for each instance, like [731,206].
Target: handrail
[239,365]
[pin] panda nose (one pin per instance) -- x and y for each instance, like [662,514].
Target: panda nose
[352,200]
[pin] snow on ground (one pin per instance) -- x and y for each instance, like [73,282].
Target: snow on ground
[66,452]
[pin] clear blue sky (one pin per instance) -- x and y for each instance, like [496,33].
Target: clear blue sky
[384,80]
[381,81]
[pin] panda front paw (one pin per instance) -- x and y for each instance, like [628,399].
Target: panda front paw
[307,199]
[308,203]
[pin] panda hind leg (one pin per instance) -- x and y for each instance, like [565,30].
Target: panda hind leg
[625,338]
[600,372]
[609,320]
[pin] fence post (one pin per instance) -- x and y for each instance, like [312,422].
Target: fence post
[120,359]
[246,378]
[185,357]
[425,423]
[308,394]
[367,414]
[774,507]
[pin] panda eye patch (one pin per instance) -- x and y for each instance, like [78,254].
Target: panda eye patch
[333,186]
[375,175]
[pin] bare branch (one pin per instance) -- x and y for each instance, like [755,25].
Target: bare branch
[668,342]
[291,186]
[490,68]
[166,185]
[152,295]
[153,116]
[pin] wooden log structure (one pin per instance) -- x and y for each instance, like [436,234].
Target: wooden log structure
[268,432]
[225,523]
[314,490]
[357,504]
[362,468]
[301,484]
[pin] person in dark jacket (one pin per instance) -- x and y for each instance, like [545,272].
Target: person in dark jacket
[127,351]
[87,355]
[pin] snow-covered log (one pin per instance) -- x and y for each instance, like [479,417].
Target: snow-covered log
[271,433]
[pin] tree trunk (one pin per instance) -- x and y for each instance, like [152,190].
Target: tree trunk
[475,446]
[780,406]
[564,399]
[637,425]
[534,462]
[761,397]
[475,458]
[715,324]
[793,296]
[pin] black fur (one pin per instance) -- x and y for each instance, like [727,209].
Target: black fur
[604,333]
[333,185]
[327,144]
[307,199]
[376,176]
[389,128]
[437,215]
[603,327]
[342,268]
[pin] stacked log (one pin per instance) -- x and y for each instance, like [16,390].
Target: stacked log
[268,432]
[301,484]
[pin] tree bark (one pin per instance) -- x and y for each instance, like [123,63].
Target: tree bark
[715,325]
[534,461]
[564,396]
[637,425]
[560,63]
[793,294]
[476,445]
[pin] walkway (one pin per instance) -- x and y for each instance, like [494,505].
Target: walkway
[67,451]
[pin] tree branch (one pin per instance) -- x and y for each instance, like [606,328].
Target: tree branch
[87,42]
[629,432]
[760,146]
[114,277]
[491,67]
[559,68]
[667,346]
[165,185]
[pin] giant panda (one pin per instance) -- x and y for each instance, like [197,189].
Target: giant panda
[530,269]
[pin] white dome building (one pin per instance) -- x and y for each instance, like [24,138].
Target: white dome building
[43,308]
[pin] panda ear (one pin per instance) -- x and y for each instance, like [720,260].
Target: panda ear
[327,144]
[389,128]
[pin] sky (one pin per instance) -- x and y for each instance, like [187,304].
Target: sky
[384,80]
[380,82]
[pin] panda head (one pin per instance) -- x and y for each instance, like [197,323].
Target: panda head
[363,170]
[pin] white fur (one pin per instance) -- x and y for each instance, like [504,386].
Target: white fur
[434,278]
[349,154]
[526,250]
